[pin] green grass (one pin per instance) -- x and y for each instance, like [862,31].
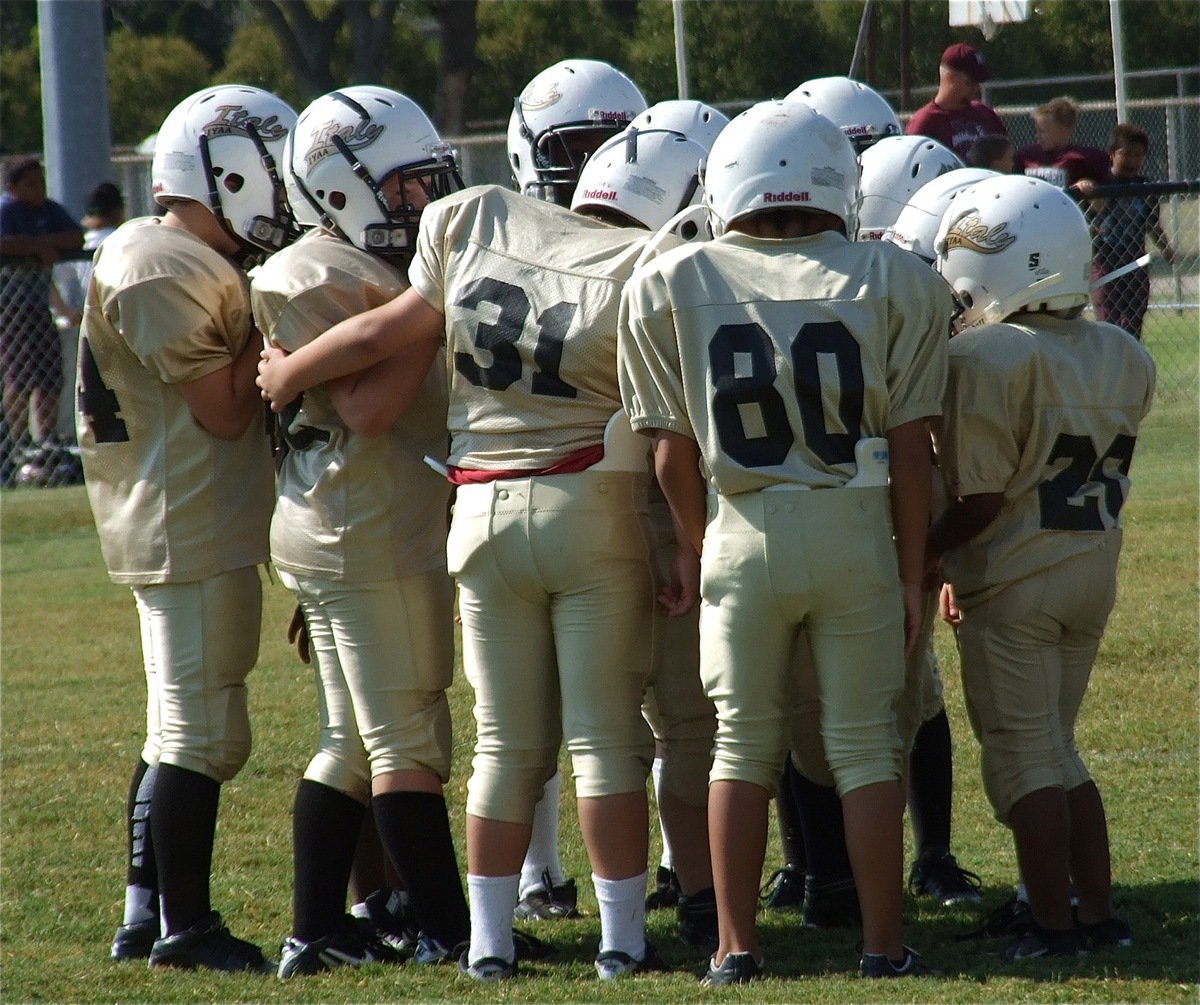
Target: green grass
[72,697]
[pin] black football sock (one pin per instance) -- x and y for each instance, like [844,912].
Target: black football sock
[141,873]
[183,824]
[415,831]
[790,833]
[930,783]
[820,811]
[325,828]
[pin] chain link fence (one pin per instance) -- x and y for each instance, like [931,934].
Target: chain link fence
[1158,300]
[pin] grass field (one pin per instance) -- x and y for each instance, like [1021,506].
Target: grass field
[72,704]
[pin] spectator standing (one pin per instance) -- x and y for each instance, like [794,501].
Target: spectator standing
[1121,228]
[956,117]
[1054,157]
[31,227]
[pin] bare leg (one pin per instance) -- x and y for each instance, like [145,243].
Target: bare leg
[1091,865]
[874,822]
[687,828]
[616,832]
[737,823]
[1041,825]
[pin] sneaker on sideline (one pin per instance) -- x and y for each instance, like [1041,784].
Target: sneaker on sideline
[736,968]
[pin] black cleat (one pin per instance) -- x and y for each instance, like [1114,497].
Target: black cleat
[666,890]
[1013,917]
[1107,934]
[736,968]
[490,968]
[350,945]
[613,964]
[549,901]
[784,891]
[209,944]
[1037,942]
[134,942]
[878,965]
[697,916]
[943,879]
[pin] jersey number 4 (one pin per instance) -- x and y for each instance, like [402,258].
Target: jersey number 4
[742,361]
[500,340]
[97,401]
[1071,500]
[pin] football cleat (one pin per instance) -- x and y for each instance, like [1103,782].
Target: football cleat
[784,891]
[1105,934]
[943,879]
[548,901]
[209,944]
[490,968]
[385,914]
[349,945]
[666,890]
[878,965]
[1037,942]
[697,916]
[736,968]
[613,964]
[1013,917]
[134,942]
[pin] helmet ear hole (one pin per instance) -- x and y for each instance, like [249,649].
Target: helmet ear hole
[337,200]
[233,182]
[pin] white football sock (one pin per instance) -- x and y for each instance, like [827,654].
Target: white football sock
[140,905]
[542,855]
[622,914]
[656,769]
[492,901]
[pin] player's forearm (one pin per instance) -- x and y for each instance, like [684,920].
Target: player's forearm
[677,467]
[364,340]
[369,403]
[964,519]
[911,496]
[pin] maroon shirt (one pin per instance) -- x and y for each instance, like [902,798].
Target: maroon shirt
[957,130]
[1063,167]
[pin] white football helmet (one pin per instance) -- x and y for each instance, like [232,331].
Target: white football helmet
[224,147]
[861,111]
[917,225]
[562,115]
[303,211]
[649,175]
[355,143]
[1014,243]
[892,172]
[696,120]
[776,155]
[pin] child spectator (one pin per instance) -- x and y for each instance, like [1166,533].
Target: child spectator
[993,151]
[1054,158]
[1121,228]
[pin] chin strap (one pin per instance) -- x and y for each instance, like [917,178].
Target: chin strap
[1124,270]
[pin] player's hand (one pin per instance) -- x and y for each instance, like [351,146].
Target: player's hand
[947,606]
[683,592]
[297,635]
[914,604]
[271,378]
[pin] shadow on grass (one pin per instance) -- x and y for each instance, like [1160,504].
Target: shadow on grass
[1165,919]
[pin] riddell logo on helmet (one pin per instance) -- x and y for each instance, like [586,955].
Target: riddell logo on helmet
[234,120]
[604,194]
[357,136]
[785,197]
[971,233]
[609,115]
[853,131]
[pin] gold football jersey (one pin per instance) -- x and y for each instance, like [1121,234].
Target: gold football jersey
[1045,411]
[777,357]
[172,502]
[530,292]
[351,508]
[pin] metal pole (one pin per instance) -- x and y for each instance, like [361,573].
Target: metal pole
[1118,48]
[75,127]
[681,78]
[861,41]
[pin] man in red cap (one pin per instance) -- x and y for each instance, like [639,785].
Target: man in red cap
[956,117]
